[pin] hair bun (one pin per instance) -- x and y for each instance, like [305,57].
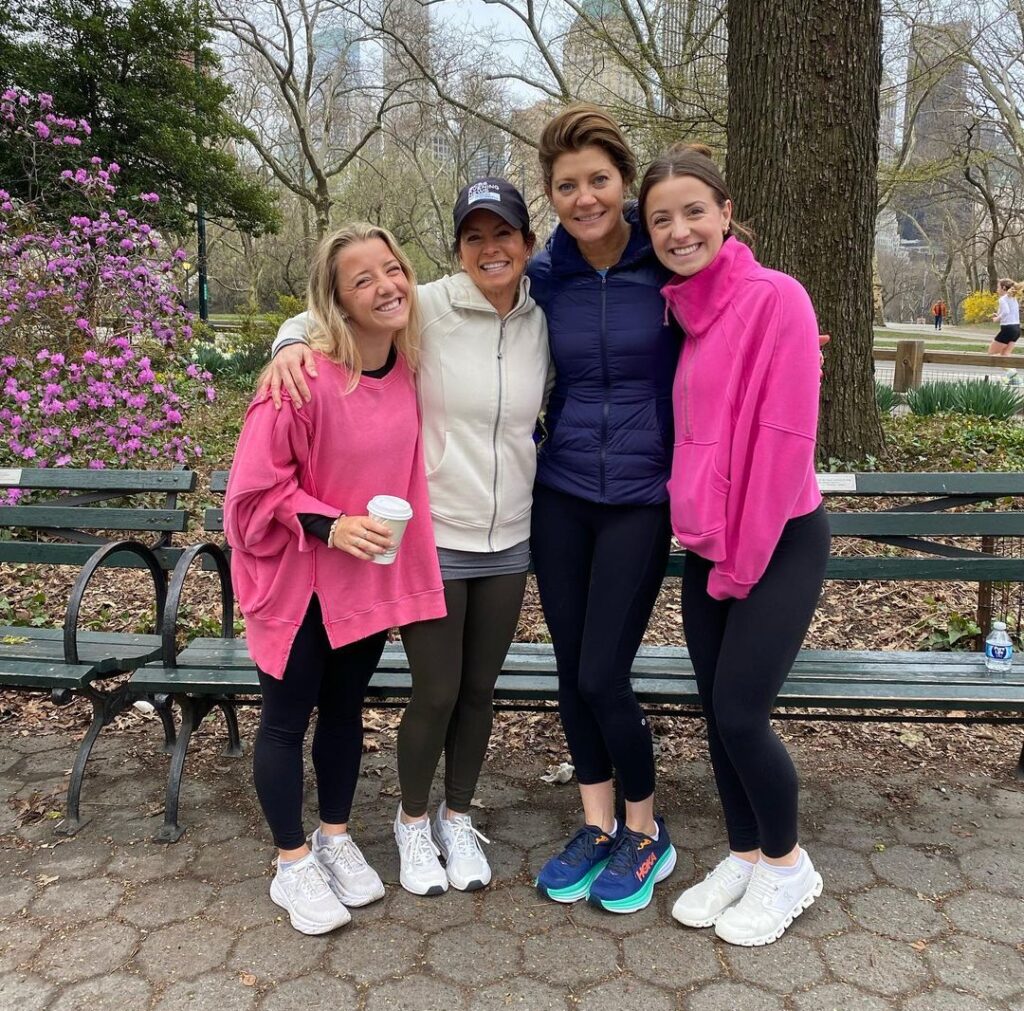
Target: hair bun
[683,146]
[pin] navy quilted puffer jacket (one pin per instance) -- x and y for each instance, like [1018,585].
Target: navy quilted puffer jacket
[609,417]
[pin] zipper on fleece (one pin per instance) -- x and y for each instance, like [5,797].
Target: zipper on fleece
[494,439]
[604,376]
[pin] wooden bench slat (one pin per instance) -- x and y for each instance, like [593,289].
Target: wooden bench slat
[84,479]
[912,524]
[79,517]
[219,480]
[52,553]
[41,675]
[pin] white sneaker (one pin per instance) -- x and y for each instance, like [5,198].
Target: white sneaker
[351,878]
[303,890]
[464,861]
[769,905]
[702,903]
[421,873]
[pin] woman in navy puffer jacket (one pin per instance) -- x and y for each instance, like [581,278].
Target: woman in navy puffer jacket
[600,535]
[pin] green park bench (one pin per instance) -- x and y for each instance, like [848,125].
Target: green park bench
[914,514]
[89,519]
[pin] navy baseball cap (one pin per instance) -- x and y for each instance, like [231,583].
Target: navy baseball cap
[492,194]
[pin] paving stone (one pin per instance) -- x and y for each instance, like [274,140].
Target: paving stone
[852,831]
[875,963]
[84,951]
[859,795]
[376,952]
[225,992]
[843,870]
[996,870]
[243,904]
[208,829]
[474,954]
[428,913]
[111,992]
[497,794]
[672,957]
[1008,801]
[896,913]
[184,950]
[718,996]
[293,953]
[34,744]
[231,861]
[917,871]
[824,918]
[570,956]
[838,997]
[26,993]
[414,993]
[535,824]
[77,858]
[784,967]
[946,1000]
[314,991]
[19,940]
[522,993]
[15,894]
[520,909]
[78,900]
[161,902]
[987,970]
[699,833]
[993,917]
[148,861]
[507,861]
[625,993]
[591,918]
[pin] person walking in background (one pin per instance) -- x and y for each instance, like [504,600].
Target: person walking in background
[484,366]
[938,313]
[1007,315]
[746,506]
[317,609]
[601,531]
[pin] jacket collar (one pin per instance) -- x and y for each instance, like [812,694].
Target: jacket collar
[465,294]
[566,257]
[697,301]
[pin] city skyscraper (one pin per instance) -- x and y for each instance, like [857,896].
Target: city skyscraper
[694,45]
[593,70]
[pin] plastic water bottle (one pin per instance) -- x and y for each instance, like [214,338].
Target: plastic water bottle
[999,649]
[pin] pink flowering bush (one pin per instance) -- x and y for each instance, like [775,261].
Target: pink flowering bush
[92,328]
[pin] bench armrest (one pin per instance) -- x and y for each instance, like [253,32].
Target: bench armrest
[169,631]
[82,581]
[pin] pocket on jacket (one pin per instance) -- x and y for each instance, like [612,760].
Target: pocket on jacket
[698,494]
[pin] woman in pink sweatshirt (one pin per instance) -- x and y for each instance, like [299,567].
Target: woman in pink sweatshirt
[317,608]
[745,504]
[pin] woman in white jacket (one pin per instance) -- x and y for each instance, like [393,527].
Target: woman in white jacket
[484,364]
[1008,317]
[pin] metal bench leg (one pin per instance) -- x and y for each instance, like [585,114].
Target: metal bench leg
[162,705]
[1020,765]
[192,713]
[233,749]
[105,706]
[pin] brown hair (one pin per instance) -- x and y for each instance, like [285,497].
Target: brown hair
[1006,283]
[583,125]
[688,160]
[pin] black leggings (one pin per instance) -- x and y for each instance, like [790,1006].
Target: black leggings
[335,681]
[742,652]
[454,662]
[599,569]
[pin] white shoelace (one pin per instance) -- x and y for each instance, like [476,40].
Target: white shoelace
[344,851]
[311,880]
[726,872]
[465,836]
[761,890]
[418,846]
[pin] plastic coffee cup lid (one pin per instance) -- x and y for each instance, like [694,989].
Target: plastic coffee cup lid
[389,507]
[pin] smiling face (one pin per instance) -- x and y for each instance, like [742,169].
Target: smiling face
[686,223]
[493,254]
[372,288]
[588,194]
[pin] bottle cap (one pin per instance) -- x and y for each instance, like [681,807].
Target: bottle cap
[999,626]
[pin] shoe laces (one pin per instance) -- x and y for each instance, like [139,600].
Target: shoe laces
[724,872]
[311,880]
[345,852]
[419,847]
[761,889]
[626,854]
[580,848]
[465,836]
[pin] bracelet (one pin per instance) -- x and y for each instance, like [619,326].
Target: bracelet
[330,534]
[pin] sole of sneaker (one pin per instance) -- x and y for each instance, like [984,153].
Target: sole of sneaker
[354,900]
[420,890]
[300,923]
[575,892]
[641,898]
[757,942]
[456,881]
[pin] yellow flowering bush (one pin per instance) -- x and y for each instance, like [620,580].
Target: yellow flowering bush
[979,306]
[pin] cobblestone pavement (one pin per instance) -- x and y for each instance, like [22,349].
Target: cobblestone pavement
[922,910]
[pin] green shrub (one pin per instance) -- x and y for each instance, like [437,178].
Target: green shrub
[988,400]
[932,398]
[886,397]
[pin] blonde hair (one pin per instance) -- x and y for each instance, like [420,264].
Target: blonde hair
[1006,283]
[583,125]
[329,330]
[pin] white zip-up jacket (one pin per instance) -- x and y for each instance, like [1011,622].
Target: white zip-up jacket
[481,382]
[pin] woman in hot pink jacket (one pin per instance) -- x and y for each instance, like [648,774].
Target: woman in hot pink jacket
[317,608]
[745,504]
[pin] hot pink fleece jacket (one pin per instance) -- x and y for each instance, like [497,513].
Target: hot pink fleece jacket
[331,457]
[745,401]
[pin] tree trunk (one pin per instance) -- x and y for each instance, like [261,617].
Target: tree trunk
[804,80]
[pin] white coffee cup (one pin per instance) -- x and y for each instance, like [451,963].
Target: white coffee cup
[394,513]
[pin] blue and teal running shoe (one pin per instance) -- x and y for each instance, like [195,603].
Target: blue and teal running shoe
[568,876]
[637,864]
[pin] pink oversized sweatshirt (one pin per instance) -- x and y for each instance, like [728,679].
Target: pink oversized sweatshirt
[745,401]
[331,457]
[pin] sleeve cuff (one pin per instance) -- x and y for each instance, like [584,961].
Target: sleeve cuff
[724,587]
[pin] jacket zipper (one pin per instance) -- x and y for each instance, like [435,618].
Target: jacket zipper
[687,369]
[494,440]
[604,376]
